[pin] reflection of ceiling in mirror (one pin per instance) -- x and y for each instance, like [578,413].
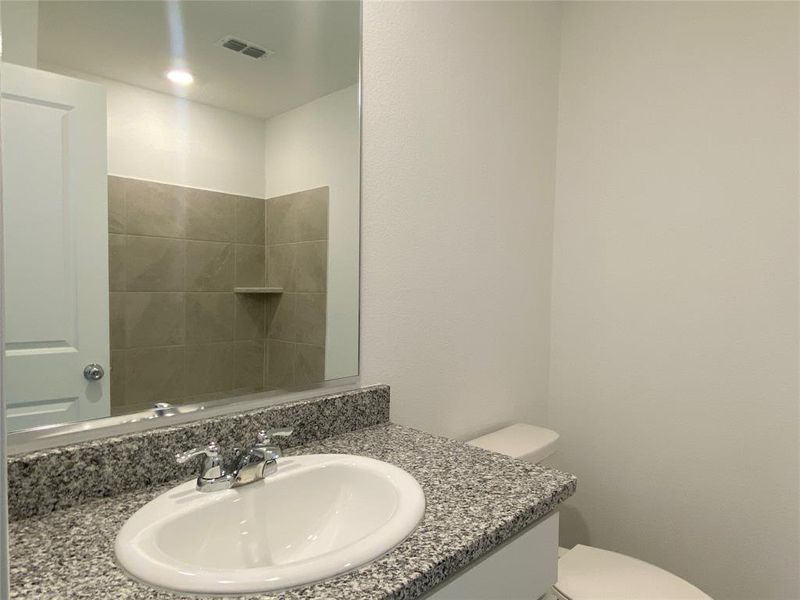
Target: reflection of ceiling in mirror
[315,46]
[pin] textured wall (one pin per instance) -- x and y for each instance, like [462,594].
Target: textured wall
[674,332]
[459,117]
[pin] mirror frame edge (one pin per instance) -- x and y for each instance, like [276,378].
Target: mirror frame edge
[5,585]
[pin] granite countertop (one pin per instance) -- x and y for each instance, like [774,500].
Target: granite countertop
[475,501]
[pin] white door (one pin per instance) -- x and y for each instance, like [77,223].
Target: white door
[55,220]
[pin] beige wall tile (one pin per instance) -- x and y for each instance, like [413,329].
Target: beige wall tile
[280,364]
[282,227]
[116,262]
[312,215]
[250,266]
[154,374]
[116,310]
[117,378]
[249,365]
[154,319]
[154,264]
[281,317]
[250,316]
[311,267]
[173,265]
[209,316]
[298,217]
[280,266]
[209,267]
[126,409]
[116,204]
[309,320]
[267,385]
[210,216]
[309,364]
[250,220]
[155,208]
[209,397]
[209,368]
[271,306]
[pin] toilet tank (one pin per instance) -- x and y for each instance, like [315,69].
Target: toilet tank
[523,441]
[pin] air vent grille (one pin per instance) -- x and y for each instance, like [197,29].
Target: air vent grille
[254,52]
[234,45]
[244,47]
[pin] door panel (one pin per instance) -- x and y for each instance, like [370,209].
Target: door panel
[56,246]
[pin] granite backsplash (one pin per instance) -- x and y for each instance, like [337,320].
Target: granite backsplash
[59,478]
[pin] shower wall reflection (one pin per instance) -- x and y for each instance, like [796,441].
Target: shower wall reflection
[213,294]
[230,245]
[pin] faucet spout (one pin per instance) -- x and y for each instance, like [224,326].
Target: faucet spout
[255,464]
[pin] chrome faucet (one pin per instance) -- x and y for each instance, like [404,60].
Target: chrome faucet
[253,465]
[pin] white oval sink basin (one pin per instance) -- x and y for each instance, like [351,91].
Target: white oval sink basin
[318,516]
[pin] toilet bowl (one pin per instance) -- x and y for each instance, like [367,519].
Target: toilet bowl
[584,572]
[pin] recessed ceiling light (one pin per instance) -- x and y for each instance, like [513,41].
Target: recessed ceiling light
[180,76]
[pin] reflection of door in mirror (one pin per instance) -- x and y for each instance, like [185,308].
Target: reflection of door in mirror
[56,247]
[181,190]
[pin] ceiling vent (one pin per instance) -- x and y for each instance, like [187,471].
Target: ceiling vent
[244,47]
[254,52]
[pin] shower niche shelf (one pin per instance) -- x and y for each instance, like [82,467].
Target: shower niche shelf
[258,290]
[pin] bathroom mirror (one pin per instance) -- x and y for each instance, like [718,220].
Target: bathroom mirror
[181,192]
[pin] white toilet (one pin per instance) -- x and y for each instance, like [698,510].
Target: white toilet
[586,573]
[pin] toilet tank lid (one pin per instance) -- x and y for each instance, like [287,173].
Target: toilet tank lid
[521,440]
[587,573]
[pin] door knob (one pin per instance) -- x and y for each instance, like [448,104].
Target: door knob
[93,372]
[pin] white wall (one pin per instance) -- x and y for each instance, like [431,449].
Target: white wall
[317,145]
[458,176]
[159,137]
[675,305]
[21,32]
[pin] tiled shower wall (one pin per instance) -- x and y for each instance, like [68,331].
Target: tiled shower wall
[297,261]
[178,331]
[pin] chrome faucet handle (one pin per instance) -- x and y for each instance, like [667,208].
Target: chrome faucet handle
[210,451]
[261,459]
[265,436]
[267,446]
[212,465]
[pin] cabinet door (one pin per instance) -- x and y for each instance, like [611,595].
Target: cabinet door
[524,568]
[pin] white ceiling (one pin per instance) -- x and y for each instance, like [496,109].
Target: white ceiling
[316,45]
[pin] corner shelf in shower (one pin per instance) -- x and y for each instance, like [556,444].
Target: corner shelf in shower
[258,290]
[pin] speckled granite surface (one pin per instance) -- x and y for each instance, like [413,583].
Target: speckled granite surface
[475,501]
[41,482]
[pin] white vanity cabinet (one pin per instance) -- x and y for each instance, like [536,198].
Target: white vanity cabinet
[524,568]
